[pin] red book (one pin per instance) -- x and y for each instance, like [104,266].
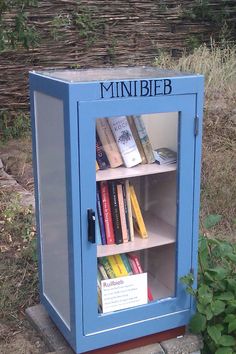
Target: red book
[137,268]
[106,209]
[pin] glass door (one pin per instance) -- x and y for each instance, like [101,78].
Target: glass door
[137,165]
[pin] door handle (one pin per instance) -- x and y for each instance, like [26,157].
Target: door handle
[91,225]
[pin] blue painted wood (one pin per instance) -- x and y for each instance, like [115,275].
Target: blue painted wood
[82,105]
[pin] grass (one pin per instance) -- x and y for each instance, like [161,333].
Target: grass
[18,273]
[218,64]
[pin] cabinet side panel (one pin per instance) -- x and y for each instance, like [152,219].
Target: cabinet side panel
[50,144]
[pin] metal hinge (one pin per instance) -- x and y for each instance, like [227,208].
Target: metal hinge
[196,125]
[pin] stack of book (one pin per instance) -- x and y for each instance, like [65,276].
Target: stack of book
[122,141]
[118,213]
[118,265]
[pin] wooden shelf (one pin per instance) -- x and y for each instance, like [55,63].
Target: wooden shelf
[139,170]
[159,233]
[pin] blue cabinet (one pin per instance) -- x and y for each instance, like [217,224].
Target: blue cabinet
[66,108]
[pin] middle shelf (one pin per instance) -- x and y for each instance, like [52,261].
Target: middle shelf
[159,233]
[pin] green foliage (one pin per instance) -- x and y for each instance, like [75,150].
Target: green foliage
[86,25]
[13,127]
[19,32]
[59,24]
[215,318]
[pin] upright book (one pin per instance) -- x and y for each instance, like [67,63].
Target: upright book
[124,228]
[101,157]
[106,211]
[142,132]
[125,140]
[137,139]
[137,214]
[108,142]
[115,213]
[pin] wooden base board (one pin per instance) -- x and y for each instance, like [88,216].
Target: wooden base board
[140,342]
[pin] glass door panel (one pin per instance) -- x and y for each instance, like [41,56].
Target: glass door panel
[141,196]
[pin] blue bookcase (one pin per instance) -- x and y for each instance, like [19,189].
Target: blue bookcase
[65,108]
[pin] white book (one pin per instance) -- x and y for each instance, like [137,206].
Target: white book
[125,140]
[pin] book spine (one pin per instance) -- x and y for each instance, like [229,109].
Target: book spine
[115,213]
[98,232]
[125,141]
[137,139]
[126,263]
[101,157]
[126,210]
[131,225]
[108,268]
[97,166]
[142,132]
[122,213]
[108,143]
[133,265]
[106,208]
[100,218]
[102,271]
[137,213]
[136,261]
[117,265]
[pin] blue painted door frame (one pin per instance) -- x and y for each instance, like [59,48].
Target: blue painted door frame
[87,114]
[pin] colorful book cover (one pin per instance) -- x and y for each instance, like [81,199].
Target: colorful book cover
[136,212]
[98,232]
[102,271]
[108,142]
[125,141]
[107,266]
[117,265]
[100,218]
[115,213]
[142,132]
[106,211]
[122,212]
[126,263]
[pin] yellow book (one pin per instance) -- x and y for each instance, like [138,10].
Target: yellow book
[131,226]
[138,218]
[97,167]
[117,265]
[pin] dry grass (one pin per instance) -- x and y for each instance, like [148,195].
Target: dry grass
[218,64]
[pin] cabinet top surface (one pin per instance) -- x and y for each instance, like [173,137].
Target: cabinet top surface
[119,73]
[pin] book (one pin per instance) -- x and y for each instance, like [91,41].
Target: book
[134,260]
[165,156]
[122,212]
[97,231]
[126,209]
[137,215]
[101,157]
[100,218]
[125,141]
[130,217]
[117,265]
[107,266]
[137,139]
[102,271]
[106,211]
[126,263]
[97,167]
[108,142]
[115,213]
[142,132]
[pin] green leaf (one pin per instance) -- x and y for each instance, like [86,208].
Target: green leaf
[212,220]
[197,323]
[217,307]
[232,257]
[205,310]
[232,326]
[229,318]
[214,333]
[227,296]
[227,341]
[224,351]
[205,294]
[220,273]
